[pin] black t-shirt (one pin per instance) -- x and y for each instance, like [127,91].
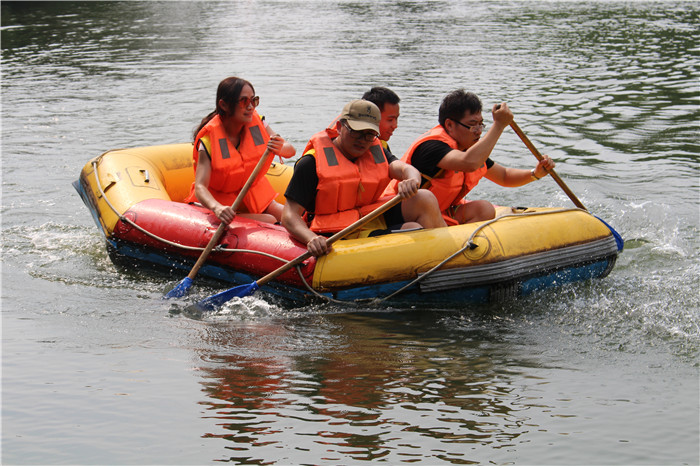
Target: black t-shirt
[304,183]
[388,153]
[429,153]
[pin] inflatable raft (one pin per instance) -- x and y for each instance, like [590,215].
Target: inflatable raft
[135,197]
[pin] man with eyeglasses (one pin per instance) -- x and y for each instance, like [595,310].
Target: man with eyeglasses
[342,176]
[455,156]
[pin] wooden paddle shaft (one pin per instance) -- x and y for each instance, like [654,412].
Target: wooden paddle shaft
[341,234]
[552,173]
[236,204]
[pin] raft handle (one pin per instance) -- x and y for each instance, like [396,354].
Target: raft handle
[146,175]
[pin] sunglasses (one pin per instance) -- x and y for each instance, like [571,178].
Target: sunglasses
[245,102]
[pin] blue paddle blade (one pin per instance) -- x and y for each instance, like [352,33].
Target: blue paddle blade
[180,289]
[213,302]
[618,238]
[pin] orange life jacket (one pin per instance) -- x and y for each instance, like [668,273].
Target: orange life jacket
[346,190]
[449,186]
[231,167]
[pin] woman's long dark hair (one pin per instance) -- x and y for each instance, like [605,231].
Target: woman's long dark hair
[229,91]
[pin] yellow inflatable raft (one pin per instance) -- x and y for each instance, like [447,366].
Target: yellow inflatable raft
[135,196]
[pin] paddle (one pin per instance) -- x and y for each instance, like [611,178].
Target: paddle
[552,173]
[184,285]
[215,301]
[618,238]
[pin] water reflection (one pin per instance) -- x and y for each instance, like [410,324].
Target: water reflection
[365,386]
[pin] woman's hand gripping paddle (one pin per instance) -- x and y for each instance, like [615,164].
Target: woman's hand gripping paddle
[185,284]
[213,302]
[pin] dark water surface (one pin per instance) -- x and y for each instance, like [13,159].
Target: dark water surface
[96,369]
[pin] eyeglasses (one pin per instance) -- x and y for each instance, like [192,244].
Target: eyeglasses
[245,102]
[369,137]
[472,128]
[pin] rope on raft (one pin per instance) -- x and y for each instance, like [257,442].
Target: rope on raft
[468,245]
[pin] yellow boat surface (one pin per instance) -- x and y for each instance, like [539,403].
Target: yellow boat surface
[129,176]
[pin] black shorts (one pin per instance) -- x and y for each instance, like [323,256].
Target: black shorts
[394,221]
[394,218]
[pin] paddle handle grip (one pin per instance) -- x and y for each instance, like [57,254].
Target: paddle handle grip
[222,226]
[551,172]
[341,234]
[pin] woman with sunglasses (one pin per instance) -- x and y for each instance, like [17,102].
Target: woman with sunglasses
[227,146]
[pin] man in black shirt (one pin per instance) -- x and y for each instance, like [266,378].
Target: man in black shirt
[454,156]
[339,178]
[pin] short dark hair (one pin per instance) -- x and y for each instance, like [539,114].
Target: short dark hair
[380,96]
[456,104]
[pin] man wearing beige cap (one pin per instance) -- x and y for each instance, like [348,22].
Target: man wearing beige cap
[341,177]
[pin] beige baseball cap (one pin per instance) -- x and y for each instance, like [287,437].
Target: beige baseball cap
[362,115]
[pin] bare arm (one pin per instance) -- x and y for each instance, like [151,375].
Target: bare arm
[408,174]
[294,223]
[279,146]
[514,177]
[475,156]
